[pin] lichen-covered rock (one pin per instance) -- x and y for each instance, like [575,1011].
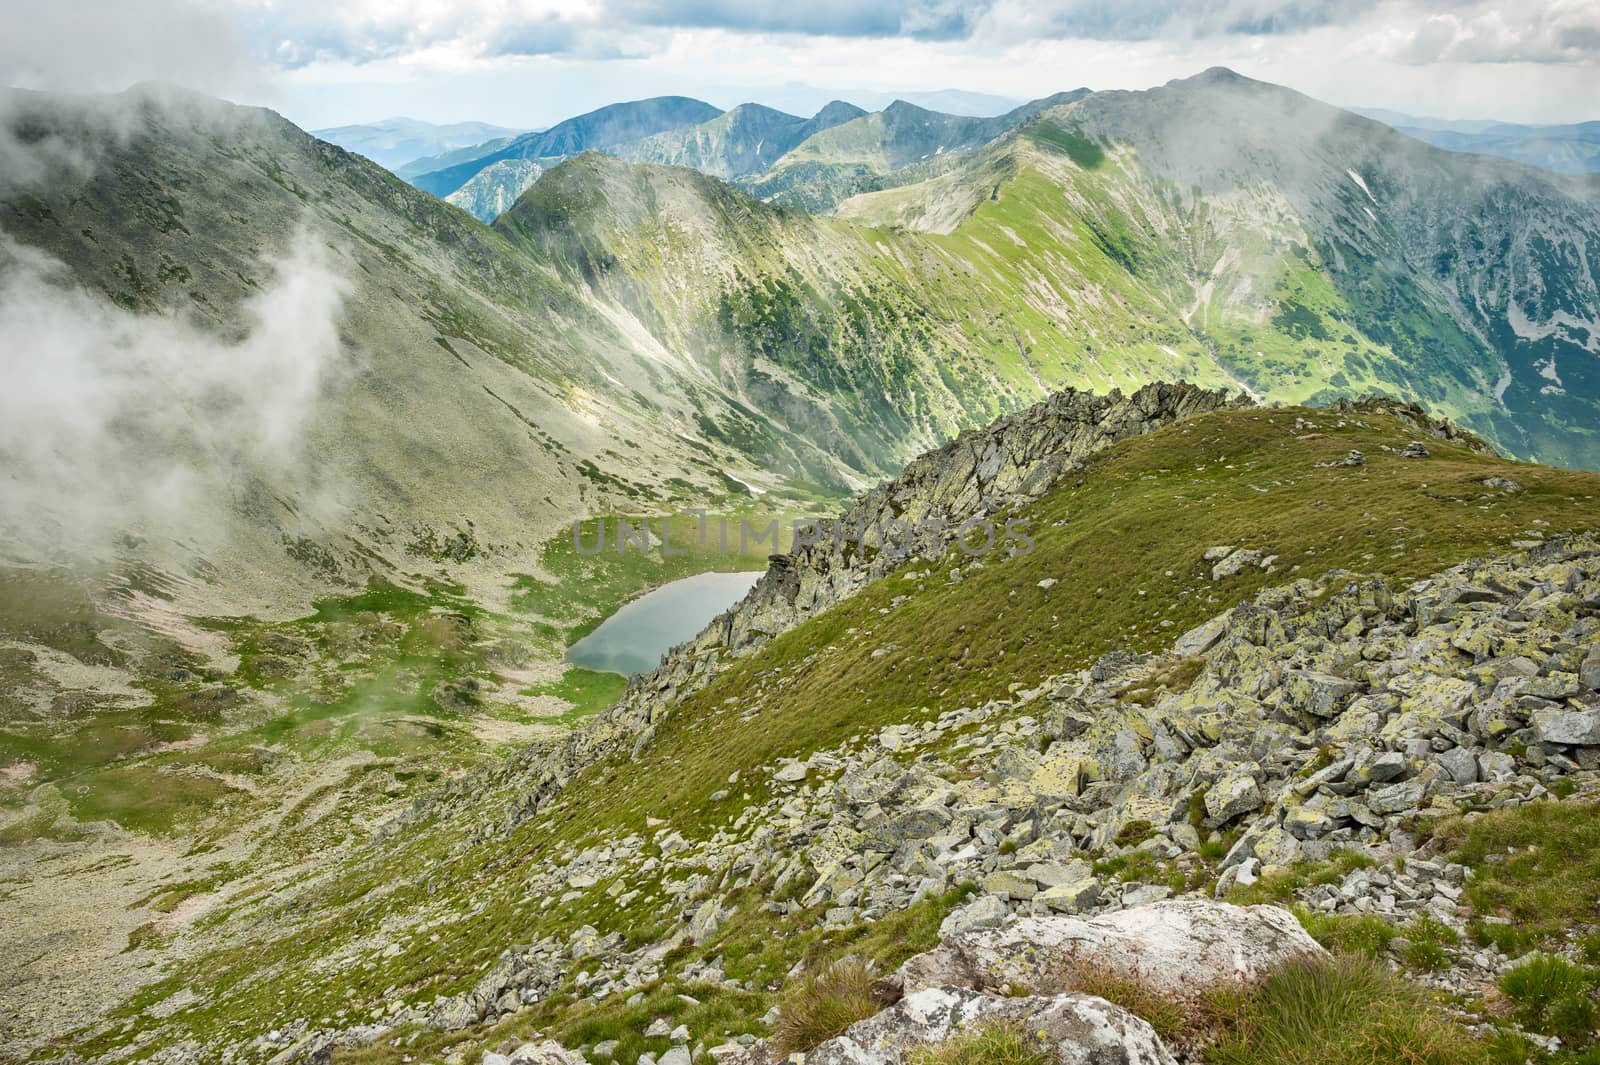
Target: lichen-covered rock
[548,1052]
[1071,896]
[1080,1029]
[1568,728]
[986,911]
[1318,693]
[1233,795]
[1177,945]
[1589,672]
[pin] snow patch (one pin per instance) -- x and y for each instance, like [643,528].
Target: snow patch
[1359,180]
[755,490]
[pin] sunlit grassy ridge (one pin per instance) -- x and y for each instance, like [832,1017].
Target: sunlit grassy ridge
[1123,539]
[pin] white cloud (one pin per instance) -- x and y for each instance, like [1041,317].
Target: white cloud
[1556,32]
[95,45]
[114,423]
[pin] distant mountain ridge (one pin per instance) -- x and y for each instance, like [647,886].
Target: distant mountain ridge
[1573,148]
[396,141]
[811,163]
[604,127]
[743,141]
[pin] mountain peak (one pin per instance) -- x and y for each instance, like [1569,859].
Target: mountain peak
[1223,78]
[905,109]
[836,112]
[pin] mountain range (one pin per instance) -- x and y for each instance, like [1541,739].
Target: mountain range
[1572,148]
[602,128]
[396,141]
[301,460]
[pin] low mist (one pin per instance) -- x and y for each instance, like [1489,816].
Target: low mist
[116,424]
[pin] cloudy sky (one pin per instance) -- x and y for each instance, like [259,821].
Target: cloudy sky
[531,62]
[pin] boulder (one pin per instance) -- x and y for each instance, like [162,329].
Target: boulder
[1320,694]
[1461,764]
[1235,563]
[986,911]
[1079,1029]
[1589,672]
[1568,728]
[548,1052]
[1197,641]
[1233,795]
[1396,798]
[1071,896]
[1010,885]
[1177,945]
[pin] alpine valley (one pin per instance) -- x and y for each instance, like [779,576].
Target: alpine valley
[1266,731]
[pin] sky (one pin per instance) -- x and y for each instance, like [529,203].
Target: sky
[529,63]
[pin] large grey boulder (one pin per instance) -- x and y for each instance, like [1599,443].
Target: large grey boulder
[1569,728]
[1589,672]
[986,911]
[1178,946]
[1320,694]
[1236,793]
[1081,1029]
[548,1052]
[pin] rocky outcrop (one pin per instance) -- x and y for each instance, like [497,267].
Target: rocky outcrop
[1079,1029]
[972,478]
[1019,973]
[1176,947]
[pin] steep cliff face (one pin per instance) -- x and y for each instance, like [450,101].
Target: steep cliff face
[954,498]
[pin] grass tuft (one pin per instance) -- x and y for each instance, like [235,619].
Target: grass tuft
[1552,996]
[823,1004]
[1348,1010]
[996,1044]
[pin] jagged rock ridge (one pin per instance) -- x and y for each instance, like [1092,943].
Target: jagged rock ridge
[976,475]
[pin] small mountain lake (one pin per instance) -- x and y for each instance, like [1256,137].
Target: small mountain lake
[634,638]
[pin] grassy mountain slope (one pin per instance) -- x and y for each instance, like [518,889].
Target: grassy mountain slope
[428,908]
[288,637]
[604,127]
[1476,274]
[854,338]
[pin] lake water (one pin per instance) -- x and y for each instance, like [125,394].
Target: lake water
[634,638]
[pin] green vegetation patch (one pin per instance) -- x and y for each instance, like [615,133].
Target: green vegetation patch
[1536,871]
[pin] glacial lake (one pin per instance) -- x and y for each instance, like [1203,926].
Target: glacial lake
[634,638]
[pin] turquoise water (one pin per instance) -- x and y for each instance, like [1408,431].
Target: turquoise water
[634,638]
